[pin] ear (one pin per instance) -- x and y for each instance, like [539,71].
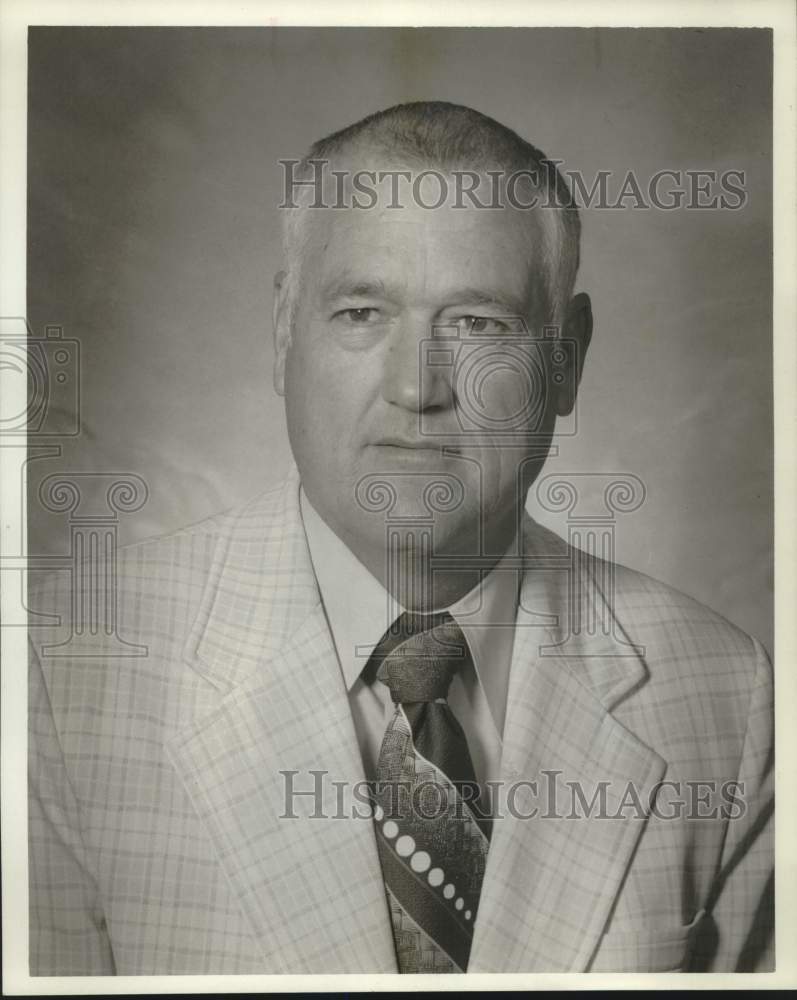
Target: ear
[282,332]
[577,334]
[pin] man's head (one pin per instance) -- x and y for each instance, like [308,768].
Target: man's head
[412,324]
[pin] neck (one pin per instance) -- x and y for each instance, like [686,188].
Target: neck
[422,579]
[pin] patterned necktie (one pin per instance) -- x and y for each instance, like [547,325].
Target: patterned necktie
[431,835]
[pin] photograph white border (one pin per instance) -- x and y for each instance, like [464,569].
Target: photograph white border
[15,18]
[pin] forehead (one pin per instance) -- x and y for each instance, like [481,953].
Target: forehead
[425,251]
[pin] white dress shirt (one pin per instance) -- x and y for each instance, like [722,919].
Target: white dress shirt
[359,611]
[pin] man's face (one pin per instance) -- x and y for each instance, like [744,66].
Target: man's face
[368,394]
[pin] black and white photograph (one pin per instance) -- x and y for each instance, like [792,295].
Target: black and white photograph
[394,580]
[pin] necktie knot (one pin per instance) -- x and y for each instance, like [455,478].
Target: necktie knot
[419,655]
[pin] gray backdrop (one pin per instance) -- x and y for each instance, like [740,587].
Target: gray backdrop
[153,238]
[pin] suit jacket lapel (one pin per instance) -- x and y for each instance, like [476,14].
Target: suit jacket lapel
[304,868]
[551,882]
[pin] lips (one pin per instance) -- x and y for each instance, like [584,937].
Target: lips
[417,445]
[423,444]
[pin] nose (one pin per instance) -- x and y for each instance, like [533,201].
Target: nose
[410,378]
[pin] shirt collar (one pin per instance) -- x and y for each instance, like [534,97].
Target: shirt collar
[360,610]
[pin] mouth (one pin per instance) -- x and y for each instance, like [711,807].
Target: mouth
[422,445]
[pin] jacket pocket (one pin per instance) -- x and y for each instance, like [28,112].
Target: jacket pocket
[653,948]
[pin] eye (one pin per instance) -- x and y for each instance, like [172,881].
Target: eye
[485,325]
[360,316]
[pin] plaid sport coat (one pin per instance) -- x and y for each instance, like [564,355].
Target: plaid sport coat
[158,833]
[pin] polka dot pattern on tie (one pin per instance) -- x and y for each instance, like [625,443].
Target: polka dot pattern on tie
[419,861]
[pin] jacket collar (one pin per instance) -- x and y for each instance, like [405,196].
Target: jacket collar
[262,585]
[261,639]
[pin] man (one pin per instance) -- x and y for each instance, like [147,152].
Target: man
[255,794]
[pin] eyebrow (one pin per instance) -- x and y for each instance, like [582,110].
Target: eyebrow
[485,297]
[347,288]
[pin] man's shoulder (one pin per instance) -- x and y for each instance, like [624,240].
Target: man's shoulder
[148,592]
[693,655]
[674,631]
[186,552]
[685,680]
[195,543]
[652,606]
[102,631]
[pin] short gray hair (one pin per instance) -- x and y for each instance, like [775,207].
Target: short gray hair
[449,137]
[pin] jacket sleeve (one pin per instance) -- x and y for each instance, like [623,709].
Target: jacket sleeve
[739,934]
[68,934]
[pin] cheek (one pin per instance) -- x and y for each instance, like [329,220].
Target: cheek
[323,399]
[509,391]
[505,393]
[309,377]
